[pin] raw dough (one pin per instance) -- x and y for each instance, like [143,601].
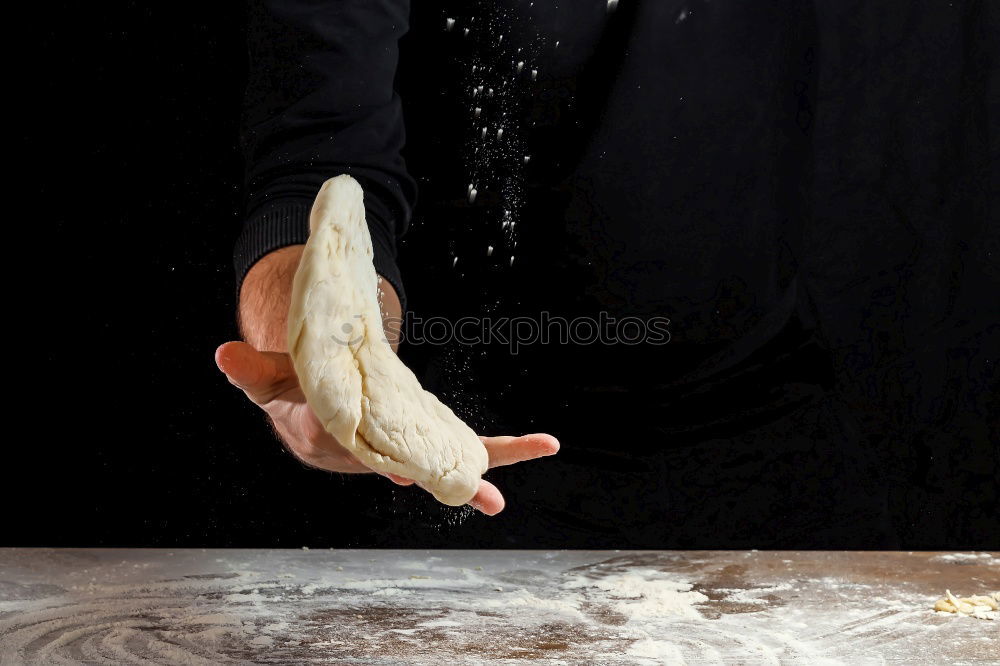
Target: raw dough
[356,385]
[982,607]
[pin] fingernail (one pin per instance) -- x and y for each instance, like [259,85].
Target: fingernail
[220,361]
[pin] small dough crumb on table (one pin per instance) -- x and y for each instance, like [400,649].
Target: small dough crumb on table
[980,607]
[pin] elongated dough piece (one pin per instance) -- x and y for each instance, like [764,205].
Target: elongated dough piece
[360,390]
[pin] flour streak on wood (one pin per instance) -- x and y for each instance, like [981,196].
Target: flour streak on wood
[419,607]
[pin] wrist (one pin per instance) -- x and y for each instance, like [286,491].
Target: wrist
[265,296]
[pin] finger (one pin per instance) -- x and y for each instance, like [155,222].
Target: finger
[487,499]
[262,375]
[248,368]
[399,480]
[510,450]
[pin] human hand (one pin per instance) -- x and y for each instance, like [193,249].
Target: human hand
[269,381]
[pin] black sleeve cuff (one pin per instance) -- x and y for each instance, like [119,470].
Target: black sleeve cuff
[286,222]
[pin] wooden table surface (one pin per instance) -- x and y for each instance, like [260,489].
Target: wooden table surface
[490,607]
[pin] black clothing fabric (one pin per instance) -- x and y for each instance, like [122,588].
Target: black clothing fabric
[320,102]
[803,480]
[665,175]
[647,469]
[782,181]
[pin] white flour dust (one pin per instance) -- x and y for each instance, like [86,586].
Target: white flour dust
[644,594]
[968,558]
[418,608]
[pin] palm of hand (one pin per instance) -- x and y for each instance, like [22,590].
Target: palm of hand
[268,379]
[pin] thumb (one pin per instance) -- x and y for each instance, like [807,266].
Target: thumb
[261,375]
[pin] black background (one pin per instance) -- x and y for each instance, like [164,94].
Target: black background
[123,213]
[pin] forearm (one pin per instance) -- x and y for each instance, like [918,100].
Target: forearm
[266,294]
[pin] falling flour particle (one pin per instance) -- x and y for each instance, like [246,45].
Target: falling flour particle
[534,74]
[449,24]
[612,4]
[472,195]
[489,250]
[520,66]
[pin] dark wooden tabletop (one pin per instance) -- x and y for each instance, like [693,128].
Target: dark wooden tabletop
[490,607]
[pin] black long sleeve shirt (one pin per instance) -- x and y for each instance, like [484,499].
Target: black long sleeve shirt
[660,141]
[735,167]
[320,102]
